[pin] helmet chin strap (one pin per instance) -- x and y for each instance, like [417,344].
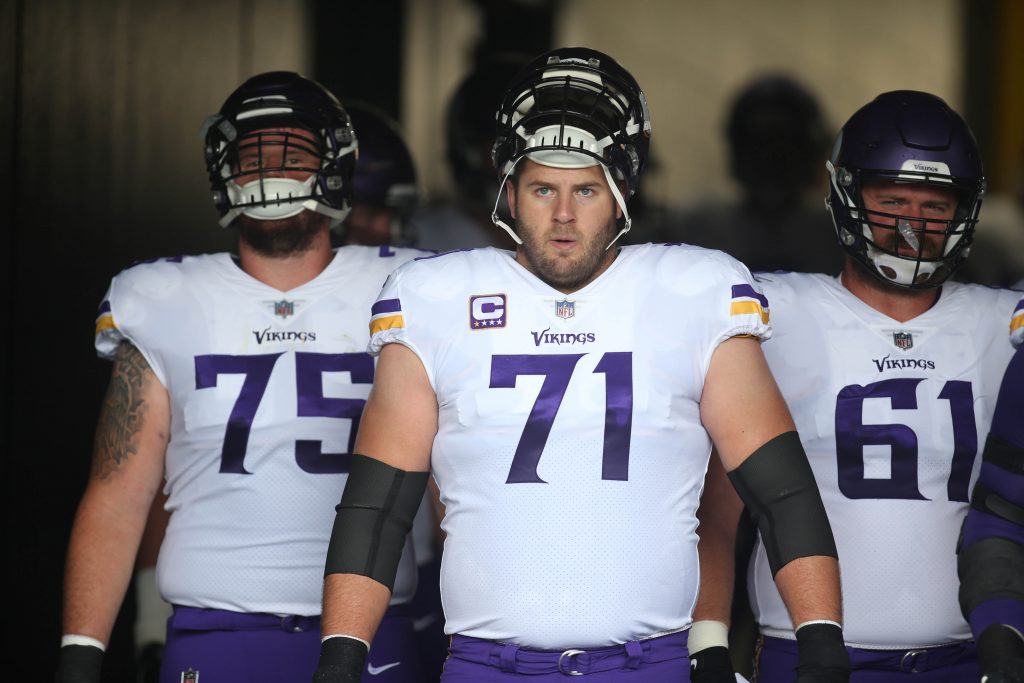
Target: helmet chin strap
[611,184]
[622,205]
[497,200]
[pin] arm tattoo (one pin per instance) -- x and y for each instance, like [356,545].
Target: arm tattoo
[123,413]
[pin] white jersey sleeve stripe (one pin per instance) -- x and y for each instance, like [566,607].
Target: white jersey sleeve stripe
[1017,324]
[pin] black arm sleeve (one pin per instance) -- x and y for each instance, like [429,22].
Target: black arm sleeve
[374,517]
[778,487]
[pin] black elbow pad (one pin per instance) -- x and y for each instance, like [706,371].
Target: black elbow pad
[990,569]
[778,487]
[373,519]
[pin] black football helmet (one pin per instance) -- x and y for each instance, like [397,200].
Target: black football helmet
[905,137]
[250,125]
[573,108]
[385,176]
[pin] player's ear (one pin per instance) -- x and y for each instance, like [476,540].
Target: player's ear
[510,193]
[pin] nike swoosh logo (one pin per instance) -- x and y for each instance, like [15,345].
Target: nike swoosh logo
[375,670]
[423,622]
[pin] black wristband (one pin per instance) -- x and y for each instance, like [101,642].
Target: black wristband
[79,664]
[823,655]
[341,661]
[712,665]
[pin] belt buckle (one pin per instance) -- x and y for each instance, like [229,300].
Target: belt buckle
[908,662]
[290,624]
[570,655]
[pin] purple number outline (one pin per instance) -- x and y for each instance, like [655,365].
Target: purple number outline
[557,370]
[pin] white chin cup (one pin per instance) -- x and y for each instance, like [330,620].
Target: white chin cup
[900,270]
[277,197]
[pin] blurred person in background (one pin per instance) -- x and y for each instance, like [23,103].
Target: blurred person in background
[998,250]
[384,184]
[776,137]
[464,221]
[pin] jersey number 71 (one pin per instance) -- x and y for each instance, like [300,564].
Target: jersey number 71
[557,370]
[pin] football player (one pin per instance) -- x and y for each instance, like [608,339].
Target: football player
[238,383]
[991,552]
[891,371]
[565,398]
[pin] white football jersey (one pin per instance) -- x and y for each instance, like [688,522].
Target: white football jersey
[892,416]
[570,453]
[266,390]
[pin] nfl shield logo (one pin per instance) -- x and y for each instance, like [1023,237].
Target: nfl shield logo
[284,308]
[903,340]
[565,309]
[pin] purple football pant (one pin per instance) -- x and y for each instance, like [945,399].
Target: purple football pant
[777,657]
[654,660]
[234,647]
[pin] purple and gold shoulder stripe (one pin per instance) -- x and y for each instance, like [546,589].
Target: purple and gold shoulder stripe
[746,299]
[105,318]
[386,314]
[1017,324]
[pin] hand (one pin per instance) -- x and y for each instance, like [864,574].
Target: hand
[1001,655]
[1014,675]
[712,665]
[341,660]
[79,664]
[823,655]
